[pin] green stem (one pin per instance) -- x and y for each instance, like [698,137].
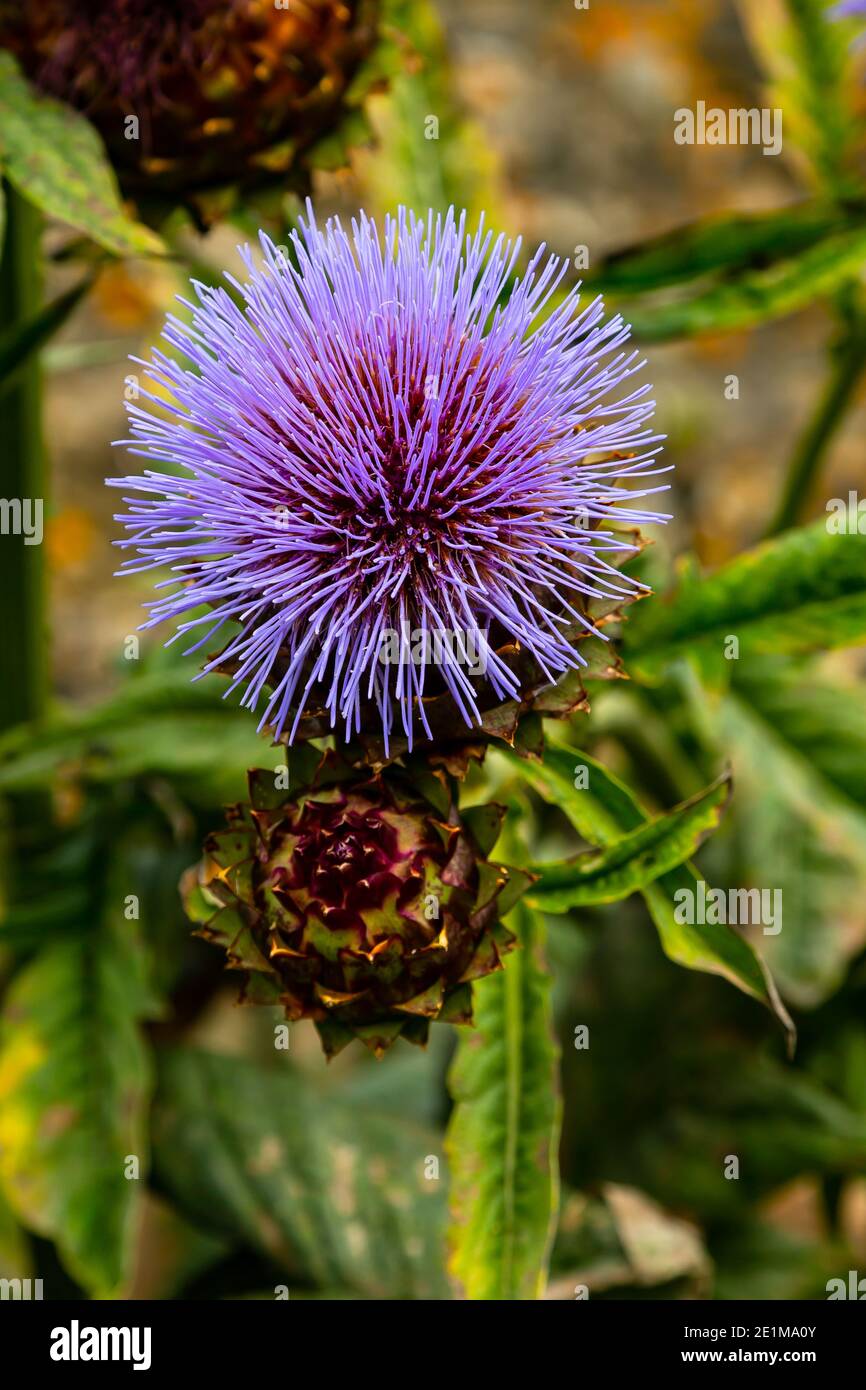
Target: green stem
[22,566]
[848,367]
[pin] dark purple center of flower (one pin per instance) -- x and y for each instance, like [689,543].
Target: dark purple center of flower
[118,47]
[415,528]
[339,849]
[347,870]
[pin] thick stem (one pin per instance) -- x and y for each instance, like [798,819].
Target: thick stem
[22,566]
[848,367]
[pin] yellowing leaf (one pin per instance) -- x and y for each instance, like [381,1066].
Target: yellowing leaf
[56,159]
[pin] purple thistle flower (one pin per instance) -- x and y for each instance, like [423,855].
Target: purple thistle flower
[384,438]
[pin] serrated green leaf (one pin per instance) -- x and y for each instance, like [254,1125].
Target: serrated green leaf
[503,1136]
[798,744]
[804,591]
[334,1195]
[74,1083]
[55,158]
[732,241]
[602,813]
[633,862]
[754,296]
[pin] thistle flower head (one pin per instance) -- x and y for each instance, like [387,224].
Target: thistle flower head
[394,439]
[220,89]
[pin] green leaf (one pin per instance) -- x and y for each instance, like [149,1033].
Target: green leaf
[55,158]
[732,241]
[605,811]
[503,1136]
[803,591]
[635,860]
[18,344]
[60,913]
[160,723]
[754,296]
[621,1240]
[334,1195]
[778,1120]
[798,744]
[74,1082]
[762,1262]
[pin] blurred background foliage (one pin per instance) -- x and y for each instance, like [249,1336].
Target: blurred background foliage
[119,1035]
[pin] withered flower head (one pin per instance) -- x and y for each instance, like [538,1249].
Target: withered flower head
[223,90]
[358,904]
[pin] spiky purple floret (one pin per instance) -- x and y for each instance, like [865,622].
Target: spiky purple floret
[385,434]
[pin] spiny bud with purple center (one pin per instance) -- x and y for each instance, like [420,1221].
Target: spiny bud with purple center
[355,901]
[392,437]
